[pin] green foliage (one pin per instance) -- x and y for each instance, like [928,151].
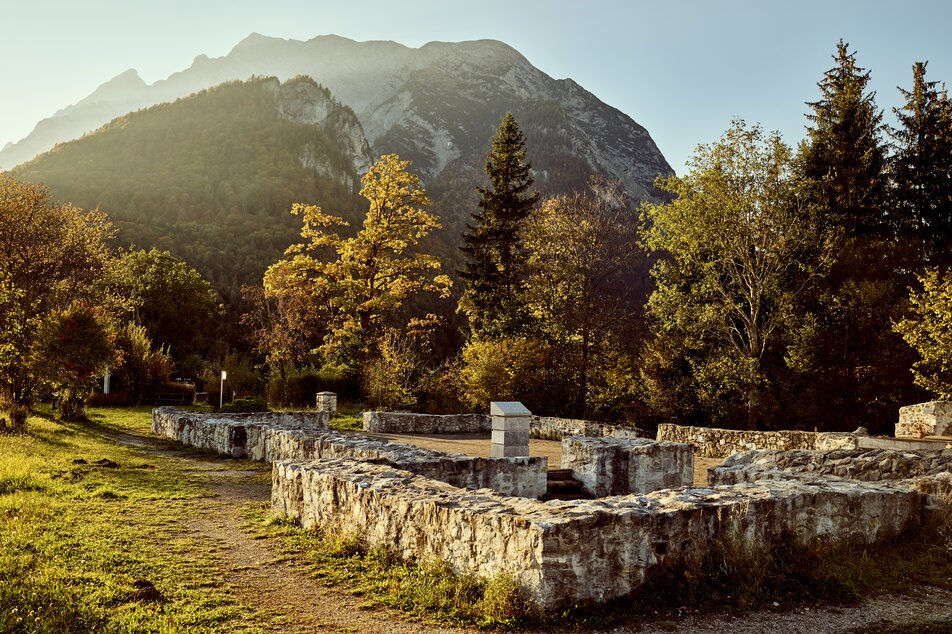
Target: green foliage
[50,256]
[144,371]
[844,157]
[495,256]
[737,254]
[207,178]
[167,297]
[359,285]
[922,170]
[395,377]
[582,288]
[72,348]
[517,369]
[928,330]
[245,404]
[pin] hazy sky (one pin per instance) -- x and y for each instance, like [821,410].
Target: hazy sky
[681,68]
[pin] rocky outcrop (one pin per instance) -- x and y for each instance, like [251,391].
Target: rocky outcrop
[569,553]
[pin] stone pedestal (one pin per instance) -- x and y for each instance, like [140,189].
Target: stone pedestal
[327,402]
[510,429]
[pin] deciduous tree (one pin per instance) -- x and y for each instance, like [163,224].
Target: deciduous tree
[736,252]
[360,284]
[50,256]
[928,330]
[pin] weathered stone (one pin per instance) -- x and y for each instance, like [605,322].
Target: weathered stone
[327,402]
[285,437]
[550,428]
[720,443]
[618,466]
[498,450]
[933,418]
[869,465]
[406,423]
[566,553]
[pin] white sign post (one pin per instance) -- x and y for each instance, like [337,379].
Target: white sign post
[221,389]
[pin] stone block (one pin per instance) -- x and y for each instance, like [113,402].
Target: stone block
[508,408]
[509,451]
[518,438]
[620,466]
[933,418]
[512,423]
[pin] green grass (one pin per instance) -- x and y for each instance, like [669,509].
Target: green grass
[349,418]
[428,590]
[75,536]
[84,517]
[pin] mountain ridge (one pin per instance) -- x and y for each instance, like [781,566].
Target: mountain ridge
[436,105]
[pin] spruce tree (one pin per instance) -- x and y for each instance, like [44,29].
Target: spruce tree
[844,158]
[923,172]
[495,256]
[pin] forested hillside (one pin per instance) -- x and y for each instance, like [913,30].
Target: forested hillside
[212,177]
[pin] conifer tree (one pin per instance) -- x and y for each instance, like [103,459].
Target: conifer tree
[844,158]
[923,172]
[495,256]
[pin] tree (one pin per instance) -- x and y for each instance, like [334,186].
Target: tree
[167,297]
[282,325]
[50,256]
[582,260]
[928,330]
[922,172]
[844,157]
[72,348]
[359,285]
[736,254]
[495,256]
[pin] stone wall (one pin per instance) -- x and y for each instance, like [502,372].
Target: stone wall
[406,423]
[925,419]
[867,465]
[550,428]
[619,466]
[711,442]
[274,437]
[569,553]
[545,427]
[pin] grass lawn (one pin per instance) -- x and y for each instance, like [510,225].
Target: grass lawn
[91,537]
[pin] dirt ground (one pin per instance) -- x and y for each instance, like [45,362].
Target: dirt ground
[292,602]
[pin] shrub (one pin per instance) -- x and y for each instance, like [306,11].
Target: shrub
[507,370]
[122,398]
[18,416]
[305,383]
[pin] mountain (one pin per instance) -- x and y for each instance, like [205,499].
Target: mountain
[437,105]
[211,177]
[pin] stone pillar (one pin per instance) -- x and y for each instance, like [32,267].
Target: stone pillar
[327,402]
[510,429]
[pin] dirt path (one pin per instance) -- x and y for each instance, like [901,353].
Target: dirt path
[253,571]
[293,602]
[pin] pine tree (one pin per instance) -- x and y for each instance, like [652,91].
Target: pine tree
[495,257]
[923,172]
[844,158]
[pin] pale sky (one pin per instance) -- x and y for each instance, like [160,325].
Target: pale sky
[681,68]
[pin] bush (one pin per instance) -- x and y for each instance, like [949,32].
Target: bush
[508,370]
[122,398]
[246,404]
[305,383]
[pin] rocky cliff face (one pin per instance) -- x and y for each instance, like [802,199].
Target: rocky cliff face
[437,106]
